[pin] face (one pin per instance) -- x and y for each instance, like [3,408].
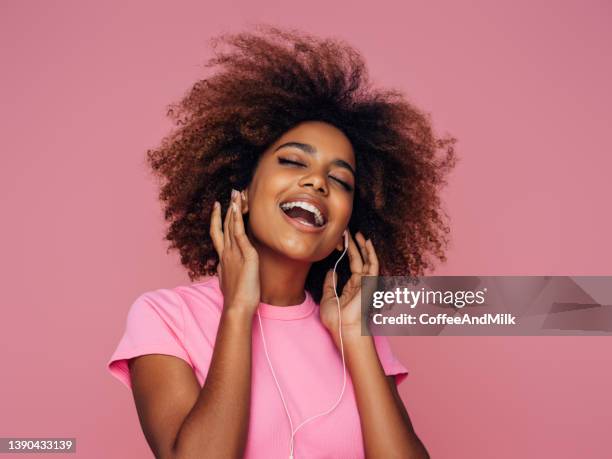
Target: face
[300,199]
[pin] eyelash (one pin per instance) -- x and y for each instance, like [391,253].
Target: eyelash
[345,185]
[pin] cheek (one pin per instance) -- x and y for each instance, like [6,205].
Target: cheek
[267,191]
[257,215]
[262,207]
[344,211]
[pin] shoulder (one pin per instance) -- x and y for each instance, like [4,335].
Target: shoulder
[204,296]
[173,299]
[155,311]
[209,286]
[155,325]
[392,366]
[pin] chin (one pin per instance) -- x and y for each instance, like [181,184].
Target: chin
[285,240]
[296,249]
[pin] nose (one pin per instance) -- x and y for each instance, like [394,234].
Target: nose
[316,181]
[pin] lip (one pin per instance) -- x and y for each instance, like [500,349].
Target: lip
[301,226]
[311,200]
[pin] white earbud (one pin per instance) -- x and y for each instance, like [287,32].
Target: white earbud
[346,239]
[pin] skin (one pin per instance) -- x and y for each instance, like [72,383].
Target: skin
[182,420]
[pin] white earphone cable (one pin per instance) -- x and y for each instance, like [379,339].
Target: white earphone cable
[293,432]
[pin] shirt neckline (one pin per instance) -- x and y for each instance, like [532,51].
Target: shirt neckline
[275,312]
[292,312]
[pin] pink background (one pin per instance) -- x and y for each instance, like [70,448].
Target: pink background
[523,85]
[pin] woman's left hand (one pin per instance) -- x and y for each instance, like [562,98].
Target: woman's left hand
[363,262]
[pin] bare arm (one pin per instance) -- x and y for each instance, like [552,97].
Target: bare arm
[385,424]
[180,420]
[387,430]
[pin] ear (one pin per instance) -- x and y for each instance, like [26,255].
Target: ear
[244,195]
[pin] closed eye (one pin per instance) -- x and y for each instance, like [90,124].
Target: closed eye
[288,161]
[344,185]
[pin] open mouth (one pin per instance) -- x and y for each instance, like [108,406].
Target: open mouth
[304,213]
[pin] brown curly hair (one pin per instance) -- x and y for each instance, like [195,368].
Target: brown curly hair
[267,81]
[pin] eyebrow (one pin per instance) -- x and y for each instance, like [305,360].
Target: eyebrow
[307,148]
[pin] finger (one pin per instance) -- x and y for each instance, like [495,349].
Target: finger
[328,283]
[352,287]
[230,224]
[239,233]
[355,262]
[226,236]
[364,252]
[216,233]
[374,266]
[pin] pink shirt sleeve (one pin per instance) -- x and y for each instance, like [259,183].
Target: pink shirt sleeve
[389,362]
[154,325]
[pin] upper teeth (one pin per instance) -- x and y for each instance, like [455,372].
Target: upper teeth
[306,206]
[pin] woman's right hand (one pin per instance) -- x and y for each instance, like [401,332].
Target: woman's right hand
[238,267]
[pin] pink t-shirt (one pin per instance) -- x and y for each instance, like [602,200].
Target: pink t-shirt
[183,321]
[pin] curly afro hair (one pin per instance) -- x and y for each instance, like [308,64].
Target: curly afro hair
[265,82]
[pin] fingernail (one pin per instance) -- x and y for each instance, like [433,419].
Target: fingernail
[216,205]
[243,195]
[234,194]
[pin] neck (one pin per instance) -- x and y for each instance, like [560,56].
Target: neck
[282,279]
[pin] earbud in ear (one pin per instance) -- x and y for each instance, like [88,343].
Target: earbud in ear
[245,206]
[346,239]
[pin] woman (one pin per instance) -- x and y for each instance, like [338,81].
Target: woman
[262,359]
